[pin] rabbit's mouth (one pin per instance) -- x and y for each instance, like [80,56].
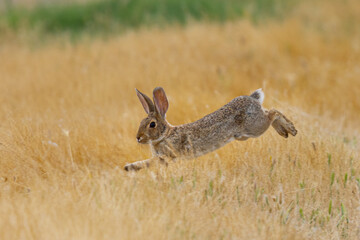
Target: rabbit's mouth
[141,140]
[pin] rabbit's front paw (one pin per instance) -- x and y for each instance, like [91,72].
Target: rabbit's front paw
[131,167]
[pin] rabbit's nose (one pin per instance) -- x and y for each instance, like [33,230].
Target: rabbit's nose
[138,139]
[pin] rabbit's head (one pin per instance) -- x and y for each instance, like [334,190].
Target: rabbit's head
[154,126]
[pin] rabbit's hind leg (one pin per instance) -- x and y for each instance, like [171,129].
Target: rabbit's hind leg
[281,124]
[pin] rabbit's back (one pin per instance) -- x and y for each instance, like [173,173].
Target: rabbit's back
[240,117]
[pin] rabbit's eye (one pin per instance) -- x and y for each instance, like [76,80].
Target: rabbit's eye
[152,125]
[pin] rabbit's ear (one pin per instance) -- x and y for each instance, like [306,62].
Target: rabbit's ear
[160,101]
[145,101]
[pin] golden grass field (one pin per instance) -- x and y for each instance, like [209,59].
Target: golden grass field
[69,116]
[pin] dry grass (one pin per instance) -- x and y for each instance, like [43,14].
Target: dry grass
[69,115]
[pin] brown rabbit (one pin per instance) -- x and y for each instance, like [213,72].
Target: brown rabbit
[240,119]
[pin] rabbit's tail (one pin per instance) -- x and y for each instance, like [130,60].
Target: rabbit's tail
[258,95]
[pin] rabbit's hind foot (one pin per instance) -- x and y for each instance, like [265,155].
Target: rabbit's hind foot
[281,124]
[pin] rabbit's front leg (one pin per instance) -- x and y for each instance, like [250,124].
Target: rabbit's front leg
[135,166]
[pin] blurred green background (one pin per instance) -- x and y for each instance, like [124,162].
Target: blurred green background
[113,16]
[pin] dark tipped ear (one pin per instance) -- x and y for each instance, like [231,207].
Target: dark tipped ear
[145,101]
[160,100]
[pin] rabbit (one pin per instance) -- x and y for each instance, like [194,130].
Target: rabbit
[240,119]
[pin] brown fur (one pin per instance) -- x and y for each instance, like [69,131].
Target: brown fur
[240,119]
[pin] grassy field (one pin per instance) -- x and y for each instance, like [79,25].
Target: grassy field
[69,116]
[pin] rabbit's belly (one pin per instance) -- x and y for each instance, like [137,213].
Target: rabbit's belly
[211,145]
[188,147]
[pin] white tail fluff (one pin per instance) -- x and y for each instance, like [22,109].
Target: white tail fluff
[258,95]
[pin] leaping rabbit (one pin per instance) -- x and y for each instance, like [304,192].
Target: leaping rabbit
[240,119]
